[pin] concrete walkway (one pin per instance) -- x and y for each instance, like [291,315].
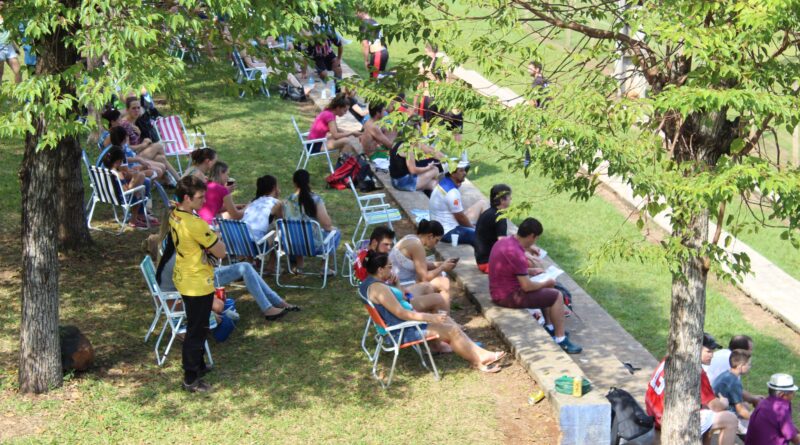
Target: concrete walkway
[767,284]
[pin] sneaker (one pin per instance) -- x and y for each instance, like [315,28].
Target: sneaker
[197,386]
[552,332]
[569,347]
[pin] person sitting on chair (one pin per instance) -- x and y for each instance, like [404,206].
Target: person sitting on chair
[202,161]
[324,125]
[265,208]
[395,309]
[218,196]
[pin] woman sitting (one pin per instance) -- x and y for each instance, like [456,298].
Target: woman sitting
[113,160]
[325,126]
[151,169]
[406,175]
[218,196]
[394,309]
[303,203]
[265,208]
[202,161]
[411,264]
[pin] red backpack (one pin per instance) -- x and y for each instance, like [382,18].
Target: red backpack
[349,169]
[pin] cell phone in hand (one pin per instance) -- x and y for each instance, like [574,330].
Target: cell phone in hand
[454,260]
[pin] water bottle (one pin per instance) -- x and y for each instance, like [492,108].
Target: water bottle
[310,85]
[332,87]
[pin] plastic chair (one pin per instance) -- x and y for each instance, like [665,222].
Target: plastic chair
[238,242]
[304,238]
[308,145]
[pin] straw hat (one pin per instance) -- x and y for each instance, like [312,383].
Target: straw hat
[781,382]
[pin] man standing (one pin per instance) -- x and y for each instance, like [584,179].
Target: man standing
[539,83]
[447,207]
[771,421]
[196,247]
[376,55]
[7,53]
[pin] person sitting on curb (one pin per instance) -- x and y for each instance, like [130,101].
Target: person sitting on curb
[411,264]
[771,422]
[714,414]
[423,296]
[729,384]
[395,309]
[375,138]
[446,206]
[510,284]
[721,363]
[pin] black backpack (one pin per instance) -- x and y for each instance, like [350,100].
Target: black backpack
[365,178]
[628,419]
[289,92]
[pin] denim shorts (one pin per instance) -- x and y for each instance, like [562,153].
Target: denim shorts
[407,183]
[7,52]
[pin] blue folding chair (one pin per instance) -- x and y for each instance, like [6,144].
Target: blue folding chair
[238,242]
[304,238]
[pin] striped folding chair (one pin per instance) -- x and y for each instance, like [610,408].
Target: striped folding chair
[177,141]
[374,210]
[304,238]
[107,188]
[387,337]
[308,147]
[154,185]
[245,74]
[239,244]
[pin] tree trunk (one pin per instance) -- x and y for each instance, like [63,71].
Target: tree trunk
[73,233]
[39,351]
[681,423]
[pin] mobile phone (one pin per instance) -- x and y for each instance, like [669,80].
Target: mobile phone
[454,260]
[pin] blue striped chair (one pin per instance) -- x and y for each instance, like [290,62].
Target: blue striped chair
[304,238]
[107,188]
[238,242]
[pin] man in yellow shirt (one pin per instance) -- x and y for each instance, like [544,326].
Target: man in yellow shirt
[196,245]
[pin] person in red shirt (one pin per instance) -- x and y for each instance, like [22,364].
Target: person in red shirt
[714,414]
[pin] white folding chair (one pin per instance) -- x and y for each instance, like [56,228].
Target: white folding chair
[165,304]
[349,259]
[308,146]
[177,141]
[304,238]
[245,74]
[374,210]
[107,188]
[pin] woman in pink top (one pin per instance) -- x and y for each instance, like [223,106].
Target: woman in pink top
[218,196]
[325,125]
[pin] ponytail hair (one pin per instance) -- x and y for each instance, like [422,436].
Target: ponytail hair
[375,260]
[265,185]
[302,180]
[203,154]
[426,227]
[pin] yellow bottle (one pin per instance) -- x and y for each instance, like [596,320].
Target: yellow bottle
[577,386]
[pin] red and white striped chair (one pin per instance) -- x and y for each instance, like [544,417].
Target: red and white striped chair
[177,141]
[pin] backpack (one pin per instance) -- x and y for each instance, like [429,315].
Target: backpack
[349,168]
[365,179]
[628,419]
[289,92]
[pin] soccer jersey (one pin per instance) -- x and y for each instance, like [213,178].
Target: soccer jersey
[446,200]
[193,274]
[654,398]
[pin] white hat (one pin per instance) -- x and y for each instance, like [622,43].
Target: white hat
[464,162]
[781,382]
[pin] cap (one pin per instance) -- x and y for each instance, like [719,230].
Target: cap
[464,162]
[709,342]
[781,382]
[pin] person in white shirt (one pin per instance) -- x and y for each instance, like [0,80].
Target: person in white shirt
[265,208]
[721,363]
[446,206]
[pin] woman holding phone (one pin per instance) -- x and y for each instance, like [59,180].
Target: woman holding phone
[411,264]
[218,196]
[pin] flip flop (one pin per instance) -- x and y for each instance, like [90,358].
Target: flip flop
[488,369]
[498,355]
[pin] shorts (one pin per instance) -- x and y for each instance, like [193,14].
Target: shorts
[538,299]
[427,110]
[324,63]
[378,62]
[7,52]
[407,183]
[706,420]
[466,235]
[316,147]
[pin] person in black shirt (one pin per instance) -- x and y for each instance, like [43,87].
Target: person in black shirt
[489,229]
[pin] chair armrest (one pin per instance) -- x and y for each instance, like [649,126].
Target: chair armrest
[330,236]
[138,188]
[404,325]
[377,207]
[167,141]
[265,238]
[313,141]
[380,196]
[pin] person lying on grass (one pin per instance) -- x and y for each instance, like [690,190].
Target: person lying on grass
[395,309]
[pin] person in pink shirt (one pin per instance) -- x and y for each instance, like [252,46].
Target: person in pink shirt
[325,126]
[218,196]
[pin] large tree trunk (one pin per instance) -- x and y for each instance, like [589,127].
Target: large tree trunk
[681,423]
[73,233]
[39,351]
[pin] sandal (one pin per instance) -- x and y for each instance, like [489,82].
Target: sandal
[488,369]
[498,355]
[276,316]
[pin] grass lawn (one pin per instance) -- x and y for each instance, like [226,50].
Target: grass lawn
[301,380]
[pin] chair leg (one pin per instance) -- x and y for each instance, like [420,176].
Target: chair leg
[153,324]
[159,360]
[92,205]
[208,352]
[328,155]
[394,364]
[433,364]
[364,338]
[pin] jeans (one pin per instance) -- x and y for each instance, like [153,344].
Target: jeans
[261,292]
[466,235]
[198,310]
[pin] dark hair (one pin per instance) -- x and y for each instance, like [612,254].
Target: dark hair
[188,186]
[738,357]
[376,108]
[302,180]
[740,342]
[773,392]
[430,227]
[498,193]
[531,226]
[111,115]
[218,169]
[203,154]
[265,185]
[375,260]
[131,99]
[341,100]
[117,135]
[536,64]
[380,233]
[113,155]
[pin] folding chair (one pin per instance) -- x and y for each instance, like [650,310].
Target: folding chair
[374,210]
[308,145]
[177,141]
[107,188]
[165,303]
[386,342]
[245,74]
[238,242]
[349,259]
[154,185]
[304,238]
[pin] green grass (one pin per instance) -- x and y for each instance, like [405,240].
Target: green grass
[302,380]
